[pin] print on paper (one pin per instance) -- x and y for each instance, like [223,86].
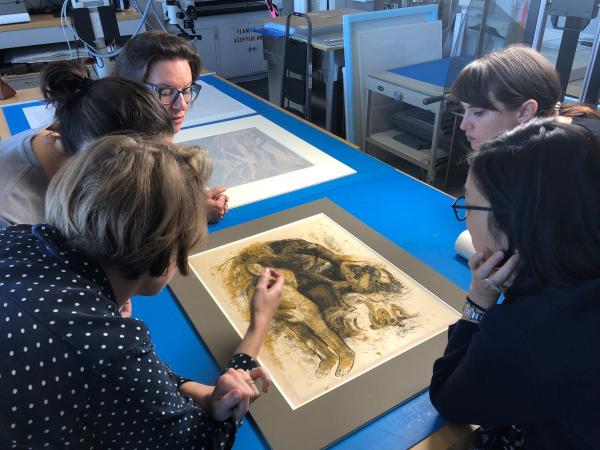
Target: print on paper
[248,155]
[256,159]
[344,311]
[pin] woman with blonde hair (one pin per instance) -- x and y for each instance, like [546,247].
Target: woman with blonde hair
[122,217]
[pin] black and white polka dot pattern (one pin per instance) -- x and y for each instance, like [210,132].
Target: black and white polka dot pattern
[73,372]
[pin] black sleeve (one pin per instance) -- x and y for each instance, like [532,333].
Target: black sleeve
[242,361]
[139,401]
[484,376]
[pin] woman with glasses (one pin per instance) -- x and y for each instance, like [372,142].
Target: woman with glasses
[506,88]
[85,110]
[169,66]
[528,368]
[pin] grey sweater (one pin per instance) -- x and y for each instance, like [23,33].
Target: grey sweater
[23,182]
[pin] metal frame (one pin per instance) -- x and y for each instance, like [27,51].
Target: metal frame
[308,68]
[590,92]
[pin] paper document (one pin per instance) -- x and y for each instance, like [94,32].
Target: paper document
[39,116]
[212,105]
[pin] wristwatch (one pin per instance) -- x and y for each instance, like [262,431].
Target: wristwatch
[472,312]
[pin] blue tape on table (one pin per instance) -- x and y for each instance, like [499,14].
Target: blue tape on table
[218,121]
[15,117]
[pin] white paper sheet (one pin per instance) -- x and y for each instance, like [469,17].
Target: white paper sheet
[292,164]
[213,105]
[39,116]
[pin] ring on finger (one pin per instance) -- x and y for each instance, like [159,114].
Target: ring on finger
[250,381]
[492,285]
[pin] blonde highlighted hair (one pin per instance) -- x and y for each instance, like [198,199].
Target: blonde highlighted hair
[133,202]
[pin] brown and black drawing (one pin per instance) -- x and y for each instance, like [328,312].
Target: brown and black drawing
[314,306]
[345,309]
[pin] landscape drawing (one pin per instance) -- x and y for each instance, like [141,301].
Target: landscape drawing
[247,155]
[345,309]
[256,159]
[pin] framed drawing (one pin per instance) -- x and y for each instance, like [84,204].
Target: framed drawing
[358,329]
[257,159]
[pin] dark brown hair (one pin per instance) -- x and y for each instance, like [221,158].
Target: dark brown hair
[86,109]
[140,52]
[541,180]
[510,76]
[134,202]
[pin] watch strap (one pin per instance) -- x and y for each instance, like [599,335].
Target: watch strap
[472,312]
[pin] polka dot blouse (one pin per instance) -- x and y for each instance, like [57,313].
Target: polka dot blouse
[73,372]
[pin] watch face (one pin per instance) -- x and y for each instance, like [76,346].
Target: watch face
[472,313]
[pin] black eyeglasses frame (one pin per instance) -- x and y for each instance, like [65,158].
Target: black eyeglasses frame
[456,207]
[194,89]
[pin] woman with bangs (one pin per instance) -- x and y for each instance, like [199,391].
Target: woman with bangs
[509,87]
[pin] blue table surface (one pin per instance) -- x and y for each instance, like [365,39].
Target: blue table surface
[439,72]
[413,215]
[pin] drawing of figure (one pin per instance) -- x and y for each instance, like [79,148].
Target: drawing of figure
[321,295]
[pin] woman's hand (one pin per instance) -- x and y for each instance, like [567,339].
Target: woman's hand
[263,306]
[266,298]
[216,204]
[234,392]
[488,280]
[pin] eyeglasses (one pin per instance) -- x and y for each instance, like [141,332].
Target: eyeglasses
[169,95]
[461,210]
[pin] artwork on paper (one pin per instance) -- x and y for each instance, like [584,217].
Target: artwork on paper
[256,159]
[248,155]
[345,309]
[213,105]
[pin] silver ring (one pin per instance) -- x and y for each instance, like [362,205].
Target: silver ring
[250,381]
[492,285]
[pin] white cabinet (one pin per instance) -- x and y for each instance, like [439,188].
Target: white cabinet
[240,50]
[228,45]
[207,48]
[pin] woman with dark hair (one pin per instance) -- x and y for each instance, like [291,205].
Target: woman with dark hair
[529,364]
[166,64]
[73,372]
[506,88]
[169,66]
[85,109]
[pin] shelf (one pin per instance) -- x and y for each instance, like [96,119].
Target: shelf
[385,140]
